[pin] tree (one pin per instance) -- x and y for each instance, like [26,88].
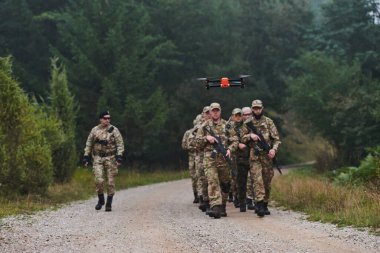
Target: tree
[346,119]
[64,107]
[25,155]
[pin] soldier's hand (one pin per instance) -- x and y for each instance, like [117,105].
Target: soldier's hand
[228,153]
[119,160]
[272,153]
[255,137]
[86,160]
[210,139]
[242,146]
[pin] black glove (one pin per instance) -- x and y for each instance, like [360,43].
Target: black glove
[86,160]
[119,159]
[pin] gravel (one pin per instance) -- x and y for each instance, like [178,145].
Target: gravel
[162,218]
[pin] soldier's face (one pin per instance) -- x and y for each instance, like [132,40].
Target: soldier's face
[236,117]
[215,114]
[206,115]
[257,110]
[105,121]
[246,115]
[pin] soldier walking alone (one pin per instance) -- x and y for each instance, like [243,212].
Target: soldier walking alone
[105,145]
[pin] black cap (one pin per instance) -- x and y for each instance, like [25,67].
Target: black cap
[102,114]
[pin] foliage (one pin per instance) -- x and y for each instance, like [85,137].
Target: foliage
[64,107]
[366,174]
[346,119]
[324,201]
[25,155]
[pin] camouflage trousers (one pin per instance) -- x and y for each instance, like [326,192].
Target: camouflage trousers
[105,169]
[201,176]
[218,179]
[193,173]
[250,193]
[262,172]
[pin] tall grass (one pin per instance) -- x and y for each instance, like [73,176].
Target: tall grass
[80,187]
[327,202]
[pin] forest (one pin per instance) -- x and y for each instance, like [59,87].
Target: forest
[315,64]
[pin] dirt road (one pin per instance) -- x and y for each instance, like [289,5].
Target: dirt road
[162,218]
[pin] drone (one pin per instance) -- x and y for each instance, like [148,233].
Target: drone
[224,82]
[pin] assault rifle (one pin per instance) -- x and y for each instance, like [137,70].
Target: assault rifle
[262,144]
[218,146]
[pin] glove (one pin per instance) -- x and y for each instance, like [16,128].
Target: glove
[119,159]
[86,160]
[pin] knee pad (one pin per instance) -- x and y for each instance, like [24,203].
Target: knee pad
[225,187]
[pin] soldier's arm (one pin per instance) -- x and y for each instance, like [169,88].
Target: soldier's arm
[89,143]
[275,136]
[184,140]
[233,140]
[245,135]
[200,139]
[119,142]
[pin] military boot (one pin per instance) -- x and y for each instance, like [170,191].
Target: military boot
[230,197]
[100,202]
[109,203]
[260,209]
[250,205]
[236,202]
[196,198]
[208,208]
[243,207]
[223,212]
[215,212]
[266,211]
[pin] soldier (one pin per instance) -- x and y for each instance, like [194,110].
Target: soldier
[202,181]
[232,123]
[191,155]
[215,165]
[261,162]
[105,145]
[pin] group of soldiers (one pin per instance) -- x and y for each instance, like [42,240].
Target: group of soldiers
[232,158]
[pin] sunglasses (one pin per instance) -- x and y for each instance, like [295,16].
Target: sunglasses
[247,114]
[107,118]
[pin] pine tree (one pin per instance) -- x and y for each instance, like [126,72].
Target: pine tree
[64,107]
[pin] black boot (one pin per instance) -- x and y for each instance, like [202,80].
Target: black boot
[109,203]
[215,212]
[266,211]
[202,204]
[196,199]
[236,202]
[100,202]
[230,197]
[223,212]
[260,209]
[208,208]
[243,207]
[250,205]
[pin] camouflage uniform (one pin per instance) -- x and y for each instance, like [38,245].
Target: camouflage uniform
[242,160]
[233,190]
[191,153]
[104,143]
[260,164]
[216,169]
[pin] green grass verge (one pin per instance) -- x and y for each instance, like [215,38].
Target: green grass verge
[81,187]
[305,191]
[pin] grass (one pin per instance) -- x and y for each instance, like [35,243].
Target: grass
[303,190]
[81,187]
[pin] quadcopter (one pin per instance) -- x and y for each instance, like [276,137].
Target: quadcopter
[224,82]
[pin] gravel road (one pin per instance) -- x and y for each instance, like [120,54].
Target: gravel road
[162,218]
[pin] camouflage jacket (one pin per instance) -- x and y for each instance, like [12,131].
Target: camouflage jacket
[229,140]
[266,127]
[104,140]
[185,137]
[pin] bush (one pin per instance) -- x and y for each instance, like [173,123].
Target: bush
[25,155]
